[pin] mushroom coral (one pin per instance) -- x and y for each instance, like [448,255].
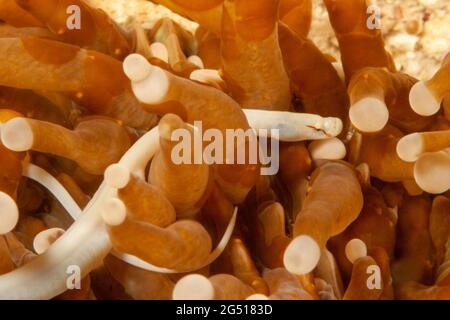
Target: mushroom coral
[140,158]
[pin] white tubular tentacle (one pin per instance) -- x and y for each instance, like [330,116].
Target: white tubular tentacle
[150,84]
[48,181]
[84,245]
[135,261]
[86,242]
[293,126]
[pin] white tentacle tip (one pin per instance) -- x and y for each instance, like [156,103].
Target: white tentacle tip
[9,213]
[410,147]
[333,126]
[432,172]
[17,135]
[151,86]
[207,76]
[136,67]
[43,240]
[369,114]
[159,50]
[257,296]
[422,100]
[302,255]
[117,176]
[355,249]
[193,287]
[114,212]
[197,61]
[329,149]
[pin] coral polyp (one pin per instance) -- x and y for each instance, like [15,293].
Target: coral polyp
[238,161]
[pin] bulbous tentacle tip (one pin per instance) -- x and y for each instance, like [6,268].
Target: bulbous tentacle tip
[410,147]
[432,172]
[150,84]
[117,176]
[355,249]
[422,100]
[197,61]
[193,287]
[9,213]
[257,296]
[114,212]
[136,67]
[333,126]
[208,76]
[302,255]
[329,149]
[17,135]
[43,240]
[369,114]
[159,50]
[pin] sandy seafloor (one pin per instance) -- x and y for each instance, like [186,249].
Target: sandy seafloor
[417,32]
